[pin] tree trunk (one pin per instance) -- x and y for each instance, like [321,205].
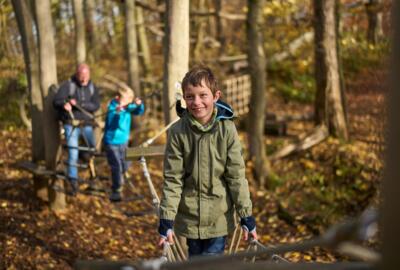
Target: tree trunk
[339,58]
[390,199]
[220,26]
[374,31]
[329,102]
[48,77]
[257,64]
[143,43]
[131,46]
[176,53]
[80,36]
[91,30]
[25,24]
[200,25]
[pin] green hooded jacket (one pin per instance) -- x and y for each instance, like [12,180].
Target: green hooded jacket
[204,178]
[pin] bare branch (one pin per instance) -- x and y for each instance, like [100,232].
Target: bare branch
[118,82]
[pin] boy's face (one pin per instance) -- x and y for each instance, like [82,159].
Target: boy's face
[200,102]
[125,99]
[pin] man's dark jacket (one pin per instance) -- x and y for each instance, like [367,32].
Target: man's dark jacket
[87,97]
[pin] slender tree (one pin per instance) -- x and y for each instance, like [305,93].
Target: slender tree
[374,14]
[80,36]
[176,52]
[329,103]
[132,46]
[201,28]
[48,77]
[24,18]
[257,65]
[220,26]
[389,219]
[92,30]
[143,42]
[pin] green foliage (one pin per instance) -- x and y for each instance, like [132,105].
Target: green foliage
[357,53]
[335,180]
[293,81]
[11,91]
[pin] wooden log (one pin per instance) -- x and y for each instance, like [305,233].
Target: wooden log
[319,134]
[35,168]
[134,153]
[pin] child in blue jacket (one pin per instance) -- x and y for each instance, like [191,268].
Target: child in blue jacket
[116,136]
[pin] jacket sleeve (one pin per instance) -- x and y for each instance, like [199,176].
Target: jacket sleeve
[235,173]
[61,96]
[136,109]
[94,103]
[173,178]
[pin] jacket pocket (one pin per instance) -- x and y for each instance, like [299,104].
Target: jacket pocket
[189,205]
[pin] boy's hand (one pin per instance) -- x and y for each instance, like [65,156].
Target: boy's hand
[138,101]
[169,239]
[72,101]
[165,231]
[249,226]
[253,235]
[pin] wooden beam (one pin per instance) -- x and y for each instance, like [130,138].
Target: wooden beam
[133,153]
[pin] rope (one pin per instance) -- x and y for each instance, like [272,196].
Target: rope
[171,252]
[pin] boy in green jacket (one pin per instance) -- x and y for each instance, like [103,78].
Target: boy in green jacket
[204,172]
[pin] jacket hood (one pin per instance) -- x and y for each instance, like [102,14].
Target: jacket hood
[224,111]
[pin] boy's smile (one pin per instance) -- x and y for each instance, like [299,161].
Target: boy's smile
[200,102]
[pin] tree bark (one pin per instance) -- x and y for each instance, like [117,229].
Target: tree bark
[220,26]
[131,46]
[91,30]
[25,24]
[390,199]
[257,64]
[329,102]
[143,43]
[48,77]
[374,31]
[80,36]
[200,25]
[176,53]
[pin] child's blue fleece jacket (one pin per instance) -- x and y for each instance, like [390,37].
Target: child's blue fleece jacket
[118,123]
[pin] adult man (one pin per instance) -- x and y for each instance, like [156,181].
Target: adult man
[75,98]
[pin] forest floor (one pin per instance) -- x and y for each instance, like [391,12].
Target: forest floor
[301,205]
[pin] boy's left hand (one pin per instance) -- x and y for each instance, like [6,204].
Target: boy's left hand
[249,226]
[246,233]
[138,101]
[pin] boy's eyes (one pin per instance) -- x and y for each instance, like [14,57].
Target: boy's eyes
[201,95]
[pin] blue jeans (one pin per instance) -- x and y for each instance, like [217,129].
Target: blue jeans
[116,160]
[206,247]
[72,135]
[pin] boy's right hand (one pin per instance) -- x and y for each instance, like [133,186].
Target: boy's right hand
[165,231]
[169,239]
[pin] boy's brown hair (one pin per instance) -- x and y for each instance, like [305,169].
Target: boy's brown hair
[195,77]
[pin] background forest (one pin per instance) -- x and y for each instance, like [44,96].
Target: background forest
[312,124]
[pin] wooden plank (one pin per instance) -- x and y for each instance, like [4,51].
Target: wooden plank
[34,168]
[150,151]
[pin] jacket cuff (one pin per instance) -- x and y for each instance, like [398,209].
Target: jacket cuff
[165,227]
[248,223]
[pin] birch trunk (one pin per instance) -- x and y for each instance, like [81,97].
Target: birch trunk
[80,36]
[257,64]
[176,53]
[48,77]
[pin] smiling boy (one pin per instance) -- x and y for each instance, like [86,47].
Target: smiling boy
[204,172]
